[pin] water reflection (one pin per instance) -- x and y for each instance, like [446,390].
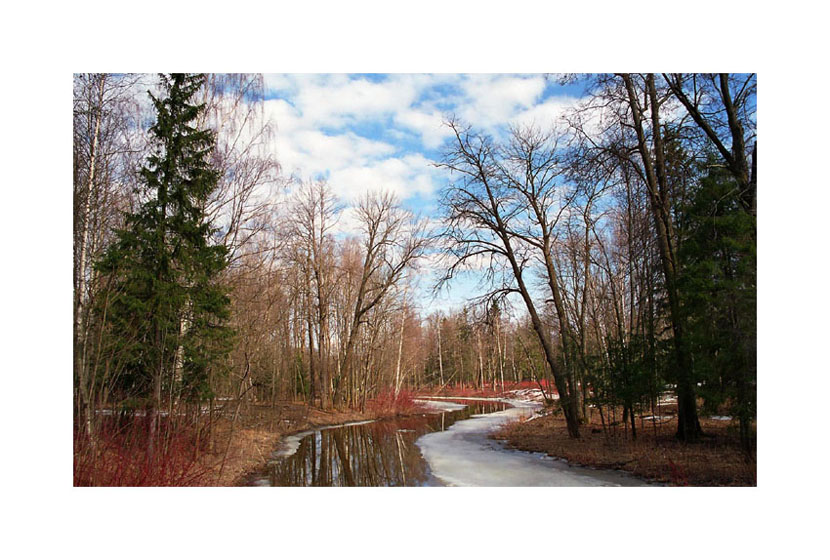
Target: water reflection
[377,454]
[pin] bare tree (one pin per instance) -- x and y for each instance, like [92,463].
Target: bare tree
[242,206]
[723,107]
[502,213]
[392,242]
[102,150]
[314,215]
[625,124]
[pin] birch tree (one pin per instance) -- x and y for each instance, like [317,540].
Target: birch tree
[102,149]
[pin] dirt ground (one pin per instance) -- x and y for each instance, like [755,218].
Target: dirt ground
[257,433]
[655,455]
[259,429]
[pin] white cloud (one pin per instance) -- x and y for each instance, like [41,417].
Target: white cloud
[334,105]
[405,177]
[322,124]
[545,114]
[491,100]
[304,149]
[428,124]
[335,100]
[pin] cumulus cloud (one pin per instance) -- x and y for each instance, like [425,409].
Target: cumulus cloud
[491,100]
[405,177]
[382,132]
[428,124]
[545,114]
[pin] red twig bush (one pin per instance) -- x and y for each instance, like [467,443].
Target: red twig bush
[678,475]
[119,455]
[387,403]
[459,390]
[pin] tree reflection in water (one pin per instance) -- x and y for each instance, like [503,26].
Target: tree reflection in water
[380,453]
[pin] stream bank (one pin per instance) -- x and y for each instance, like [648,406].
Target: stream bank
[466,455]
[655,455]
[449,446]
[381,452]
[261,428]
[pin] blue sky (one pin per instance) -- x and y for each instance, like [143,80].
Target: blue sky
[367,132]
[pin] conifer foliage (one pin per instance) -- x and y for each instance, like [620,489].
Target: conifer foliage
[718,289]
[166,319]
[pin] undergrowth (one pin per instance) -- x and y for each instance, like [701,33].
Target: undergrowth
[118,455]
[387,403]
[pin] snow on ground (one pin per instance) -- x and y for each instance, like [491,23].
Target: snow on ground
[141,412]
[465,455]
[525,395]
[439,405]
[721,418]
[531,395]
[658,418]
[439,398]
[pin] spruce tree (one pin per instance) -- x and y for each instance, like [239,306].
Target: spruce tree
[718,289]
[168,311]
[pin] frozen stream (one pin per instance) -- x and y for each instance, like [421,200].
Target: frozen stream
[448,446]
[465,455]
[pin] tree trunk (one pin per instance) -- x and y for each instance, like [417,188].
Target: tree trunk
[688,426]
[400,348]
[440,360]
[81,284]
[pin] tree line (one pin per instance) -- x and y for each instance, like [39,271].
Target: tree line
[617,248]
[628,233]
[201,273]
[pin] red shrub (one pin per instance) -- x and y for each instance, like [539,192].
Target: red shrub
[678,475]
[388,403]
[459,390]
[120,456]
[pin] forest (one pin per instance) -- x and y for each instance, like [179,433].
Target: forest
[222,303]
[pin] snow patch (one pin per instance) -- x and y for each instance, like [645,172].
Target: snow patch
[532,395]
[658,418]
[465,455]
[439,406]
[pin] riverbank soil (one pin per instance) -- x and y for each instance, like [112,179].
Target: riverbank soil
[258,431]
[259,428]
[218,449]
[655,455]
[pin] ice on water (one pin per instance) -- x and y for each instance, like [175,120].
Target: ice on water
[464,455]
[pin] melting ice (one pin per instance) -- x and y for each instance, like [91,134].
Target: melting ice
[465,455]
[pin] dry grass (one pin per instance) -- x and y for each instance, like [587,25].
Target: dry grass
[656,455]
[200,454]
[249,448]
[258,432]
[260,427]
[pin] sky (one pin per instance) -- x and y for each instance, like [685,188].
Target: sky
[785,43]
[364,132]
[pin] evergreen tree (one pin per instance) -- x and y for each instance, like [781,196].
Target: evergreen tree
[168,313]
[718,293]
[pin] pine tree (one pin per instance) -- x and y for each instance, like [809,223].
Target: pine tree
[168,312]
[718,290]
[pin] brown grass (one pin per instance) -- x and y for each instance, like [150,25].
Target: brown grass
[258,432]
[656,455]
[260,427]
[201,454]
